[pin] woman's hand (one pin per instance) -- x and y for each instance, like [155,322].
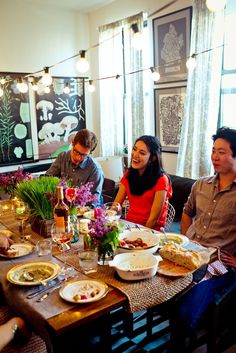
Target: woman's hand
[5,242]
[227,258]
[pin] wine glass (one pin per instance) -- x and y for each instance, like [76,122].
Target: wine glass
[62,239]
[113,211]
[22,213]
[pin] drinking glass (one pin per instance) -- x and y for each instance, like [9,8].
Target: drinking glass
[113,211]
[62,239]
[22,213]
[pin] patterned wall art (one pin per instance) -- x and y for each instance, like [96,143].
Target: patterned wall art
[15,123]
[171,37]
[59,116]
[169,109]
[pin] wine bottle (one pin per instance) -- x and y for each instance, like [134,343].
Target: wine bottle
[61,213]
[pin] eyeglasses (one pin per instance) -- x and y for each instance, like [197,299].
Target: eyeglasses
[79,154]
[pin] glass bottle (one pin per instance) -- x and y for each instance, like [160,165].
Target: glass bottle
[61,213]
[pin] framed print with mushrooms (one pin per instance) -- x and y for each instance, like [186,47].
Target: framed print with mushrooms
[169,109]
[15,120]
[59,115]
[171,41]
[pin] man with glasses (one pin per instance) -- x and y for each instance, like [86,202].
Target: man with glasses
[78,166]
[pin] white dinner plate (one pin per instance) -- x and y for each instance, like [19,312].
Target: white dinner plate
[41,270]
[178,239]
[149,240]
[83,291]
[6,232]
[18,250]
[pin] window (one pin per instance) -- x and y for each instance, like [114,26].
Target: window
[228,85]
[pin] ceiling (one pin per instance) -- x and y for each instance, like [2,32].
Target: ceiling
[77,5]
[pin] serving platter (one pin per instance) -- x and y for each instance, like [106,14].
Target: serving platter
[83,291]
[41,271]
[176,238]
[138,240]
[18,250]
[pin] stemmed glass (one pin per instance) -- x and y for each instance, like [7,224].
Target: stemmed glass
[113,211]
[22,213]
[62,239]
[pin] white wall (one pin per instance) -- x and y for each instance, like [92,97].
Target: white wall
[33,36]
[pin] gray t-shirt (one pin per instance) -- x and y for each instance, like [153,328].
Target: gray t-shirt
[87,171]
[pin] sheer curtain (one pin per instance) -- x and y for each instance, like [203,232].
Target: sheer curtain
[203,93]
[121,99]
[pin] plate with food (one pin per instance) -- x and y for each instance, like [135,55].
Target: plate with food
[6,232]
[178,261]
[17,250]
[33,273]
[175,238]
[89,215]
[83,291]
[138,240]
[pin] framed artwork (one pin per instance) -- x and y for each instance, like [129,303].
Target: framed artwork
[15,123]
[59,116]
[169,109]
[171,41]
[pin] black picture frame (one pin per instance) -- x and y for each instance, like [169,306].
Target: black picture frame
[171,45]
[169,109]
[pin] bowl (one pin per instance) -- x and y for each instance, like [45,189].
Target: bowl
[135,266]
[149,244]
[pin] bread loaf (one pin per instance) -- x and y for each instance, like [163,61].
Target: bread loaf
[180,256]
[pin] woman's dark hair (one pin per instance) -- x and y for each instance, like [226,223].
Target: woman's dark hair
[139,184]
[227,134]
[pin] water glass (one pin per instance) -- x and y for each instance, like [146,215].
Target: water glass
[44,247]
[88,261]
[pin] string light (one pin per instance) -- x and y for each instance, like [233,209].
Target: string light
[2,80]
[191,62]
[34,86]
[155,74]
[82,64]
[215,5]
[46,78]
[47,89]
[91,87]
[137,39]
[22,86]
[66,89]
[1,92]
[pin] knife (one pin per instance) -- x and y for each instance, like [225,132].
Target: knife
[40,299]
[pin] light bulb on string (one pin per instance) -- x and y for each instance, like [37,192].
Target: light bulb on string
[34,86]
[46,78]
[155,74]
[215,5]
[22,86]
[191,62]
[137,39]
[47,89]
[82,64]
[66,89]
[2,80]
[91,87]
[1,92]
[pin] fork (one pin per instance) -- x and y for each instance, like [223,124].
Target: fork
[162,229]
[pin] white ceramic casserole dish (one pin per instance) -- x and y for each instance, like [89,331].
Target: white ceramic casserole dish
[135,266]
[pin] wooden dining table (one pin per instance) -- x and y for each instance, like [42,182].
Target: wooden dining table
[54,319]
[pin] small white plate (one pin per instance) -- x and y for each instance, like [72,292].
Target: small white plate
[89,215]
[178,239]
[45,270]
[18,250]
[83,291]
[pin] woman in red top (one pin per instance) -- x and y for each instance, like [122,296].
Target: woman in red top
[146,185]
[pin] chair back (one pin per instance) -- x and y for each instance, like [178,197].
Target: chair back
[170,217]
[108,190]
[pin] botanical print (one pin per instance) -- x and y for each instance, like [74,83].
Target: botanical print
[59,116]
[15,124]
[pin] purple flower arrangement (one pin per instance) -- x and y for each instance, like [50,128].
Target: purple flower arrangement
[9,181]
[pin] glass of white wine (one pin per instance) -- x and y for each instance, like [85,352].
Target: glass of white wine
[113,211]
[22,214]
[62,239]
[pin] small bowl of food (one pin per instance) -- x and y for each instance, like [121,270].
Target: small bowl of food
[135,266]
[138,240]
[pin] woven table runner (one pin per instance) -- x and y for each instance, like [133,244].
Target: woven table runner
[141,294]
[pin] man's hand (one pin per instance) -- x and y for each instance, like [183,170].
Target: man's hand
[5,242]
[227,258]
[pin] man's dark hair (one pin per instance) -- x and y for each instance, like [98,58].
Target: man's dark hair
[86,138]
[226,134]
